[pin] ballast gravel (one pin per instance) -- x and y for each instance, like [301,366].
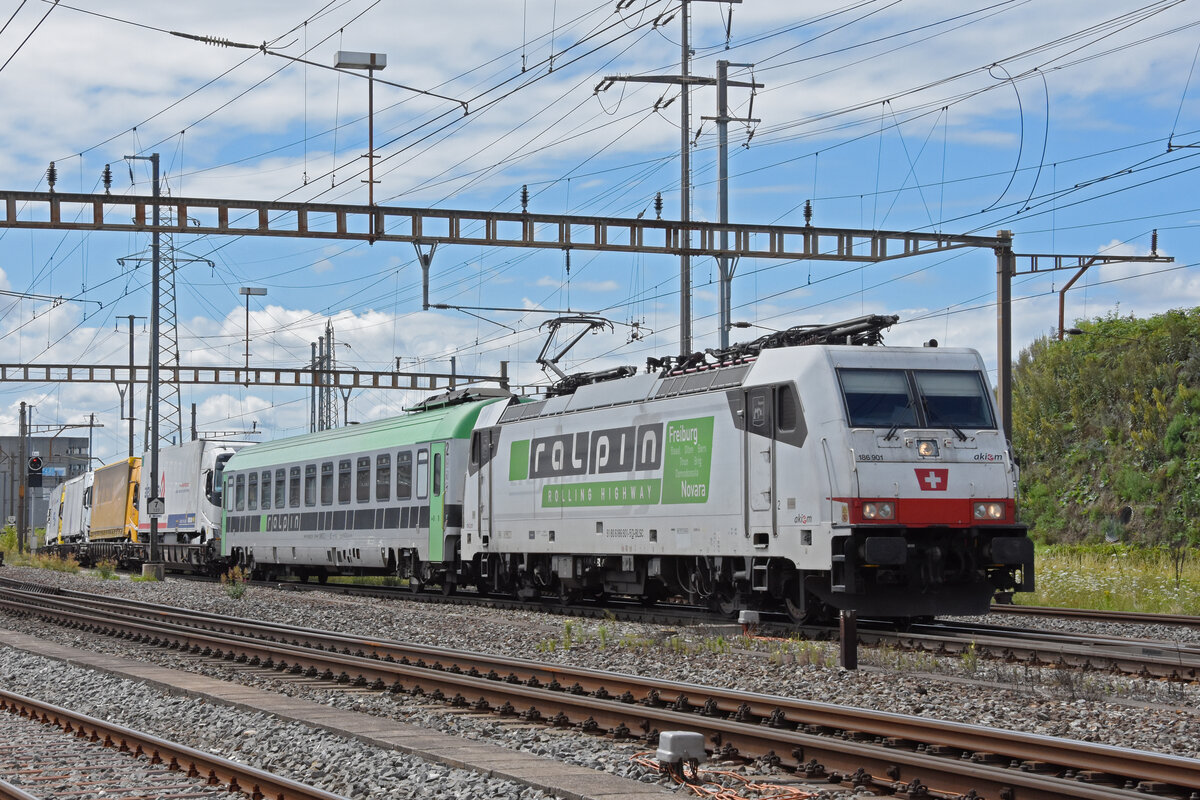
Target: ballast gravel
[1122,711]
[333,763]
[38,758]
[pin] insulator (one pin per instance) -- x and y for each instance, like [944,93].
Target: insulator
[1154,242]
[525,199]
[808,212]
[106,176]
[658,205]
[52,176]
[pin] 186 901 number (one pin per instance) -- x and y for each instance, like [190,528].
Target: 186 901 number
[870,457]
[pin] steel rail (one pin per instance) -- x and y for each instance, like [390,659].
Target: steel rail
[1147,659]
[238,777]
[1140,657]
[748,706]
[736,723]
[10,792]
[1136,617]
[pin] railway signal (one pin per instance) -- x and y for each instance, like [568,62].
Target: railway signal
[34,472]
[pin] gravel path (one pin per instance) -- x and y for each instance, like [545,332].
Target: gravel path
[1120,711]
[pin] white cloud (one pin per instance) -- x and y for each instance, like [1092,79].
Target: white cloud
[259,135]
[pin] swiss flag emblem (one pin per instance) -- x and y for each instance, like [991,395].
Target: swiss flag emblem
[933,480]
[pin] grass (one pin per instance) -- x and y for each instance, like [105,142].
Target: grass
[8,544]
[234,582]
[1116,578]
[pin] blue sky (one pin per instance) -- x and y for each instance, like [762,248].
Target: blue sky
[1051,119]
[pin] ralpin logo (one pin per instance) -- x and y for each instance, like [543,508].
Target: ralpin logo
[933,480]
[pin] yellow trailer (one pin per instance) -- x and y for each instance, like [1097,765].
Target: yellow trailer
[115,501]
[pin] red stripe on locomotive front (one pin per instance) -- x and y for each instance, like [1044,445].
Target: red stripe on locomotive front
[914,512]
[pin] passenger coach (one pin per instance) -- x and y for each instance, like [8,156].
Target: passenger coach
[383,497]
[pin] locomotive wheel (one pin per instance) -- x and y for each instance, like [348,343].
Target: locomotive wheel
[795,614]
[448,586]
[724,602]
[815,612]
[567,596]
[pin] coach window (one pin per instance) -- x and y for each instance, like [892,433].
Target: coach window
[383,477]
[310,484]
[327,483]
[294,487]
[422,474]
[266,489]
[404,476]
[437,474]
[228,493]
[252,492]
[239,503]
[281,488]
[363,484]
[345,468]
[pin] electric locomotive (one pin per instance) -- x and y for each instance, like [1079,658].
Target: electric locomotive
[791,474]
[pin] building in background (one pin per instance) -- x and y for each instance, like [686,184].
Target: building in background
[63,457]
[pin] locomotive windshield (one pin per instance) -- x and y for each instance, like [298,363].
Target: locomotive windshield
[214,481]
[878,398]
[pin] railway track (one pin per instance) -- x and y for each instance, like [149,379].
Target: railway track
[1135,617]
[1143,658]
[888,753]
[48,751]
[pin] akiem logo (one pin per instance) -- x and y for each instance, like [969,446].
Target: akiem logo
[680,451]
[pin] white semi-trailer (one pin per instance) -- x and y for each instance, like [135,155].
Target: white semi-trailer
[189,482]
[76,514]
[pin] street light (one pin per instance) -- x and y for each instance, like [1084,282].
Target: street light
[348,59]
[248,291]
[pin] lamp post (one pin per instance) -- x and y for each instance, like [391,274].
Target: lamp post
[347,59]
[248,292]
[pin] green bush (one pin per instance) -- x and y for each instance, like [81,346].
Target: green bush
[234,582]
[1108,419]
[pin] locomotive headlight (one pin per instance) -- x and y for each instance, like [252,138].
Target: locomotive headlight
[927,448]
[880,510]
[989,511]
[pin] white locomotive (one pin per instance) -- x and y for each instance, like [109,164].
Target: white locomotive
[802,477]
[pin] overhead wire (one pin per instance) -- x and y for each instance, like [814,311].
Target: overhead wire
[1035,180]
[28,36]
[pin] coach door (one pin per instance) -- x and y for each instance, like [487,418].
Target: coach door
[483,447]
[437,500]
[760,462]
